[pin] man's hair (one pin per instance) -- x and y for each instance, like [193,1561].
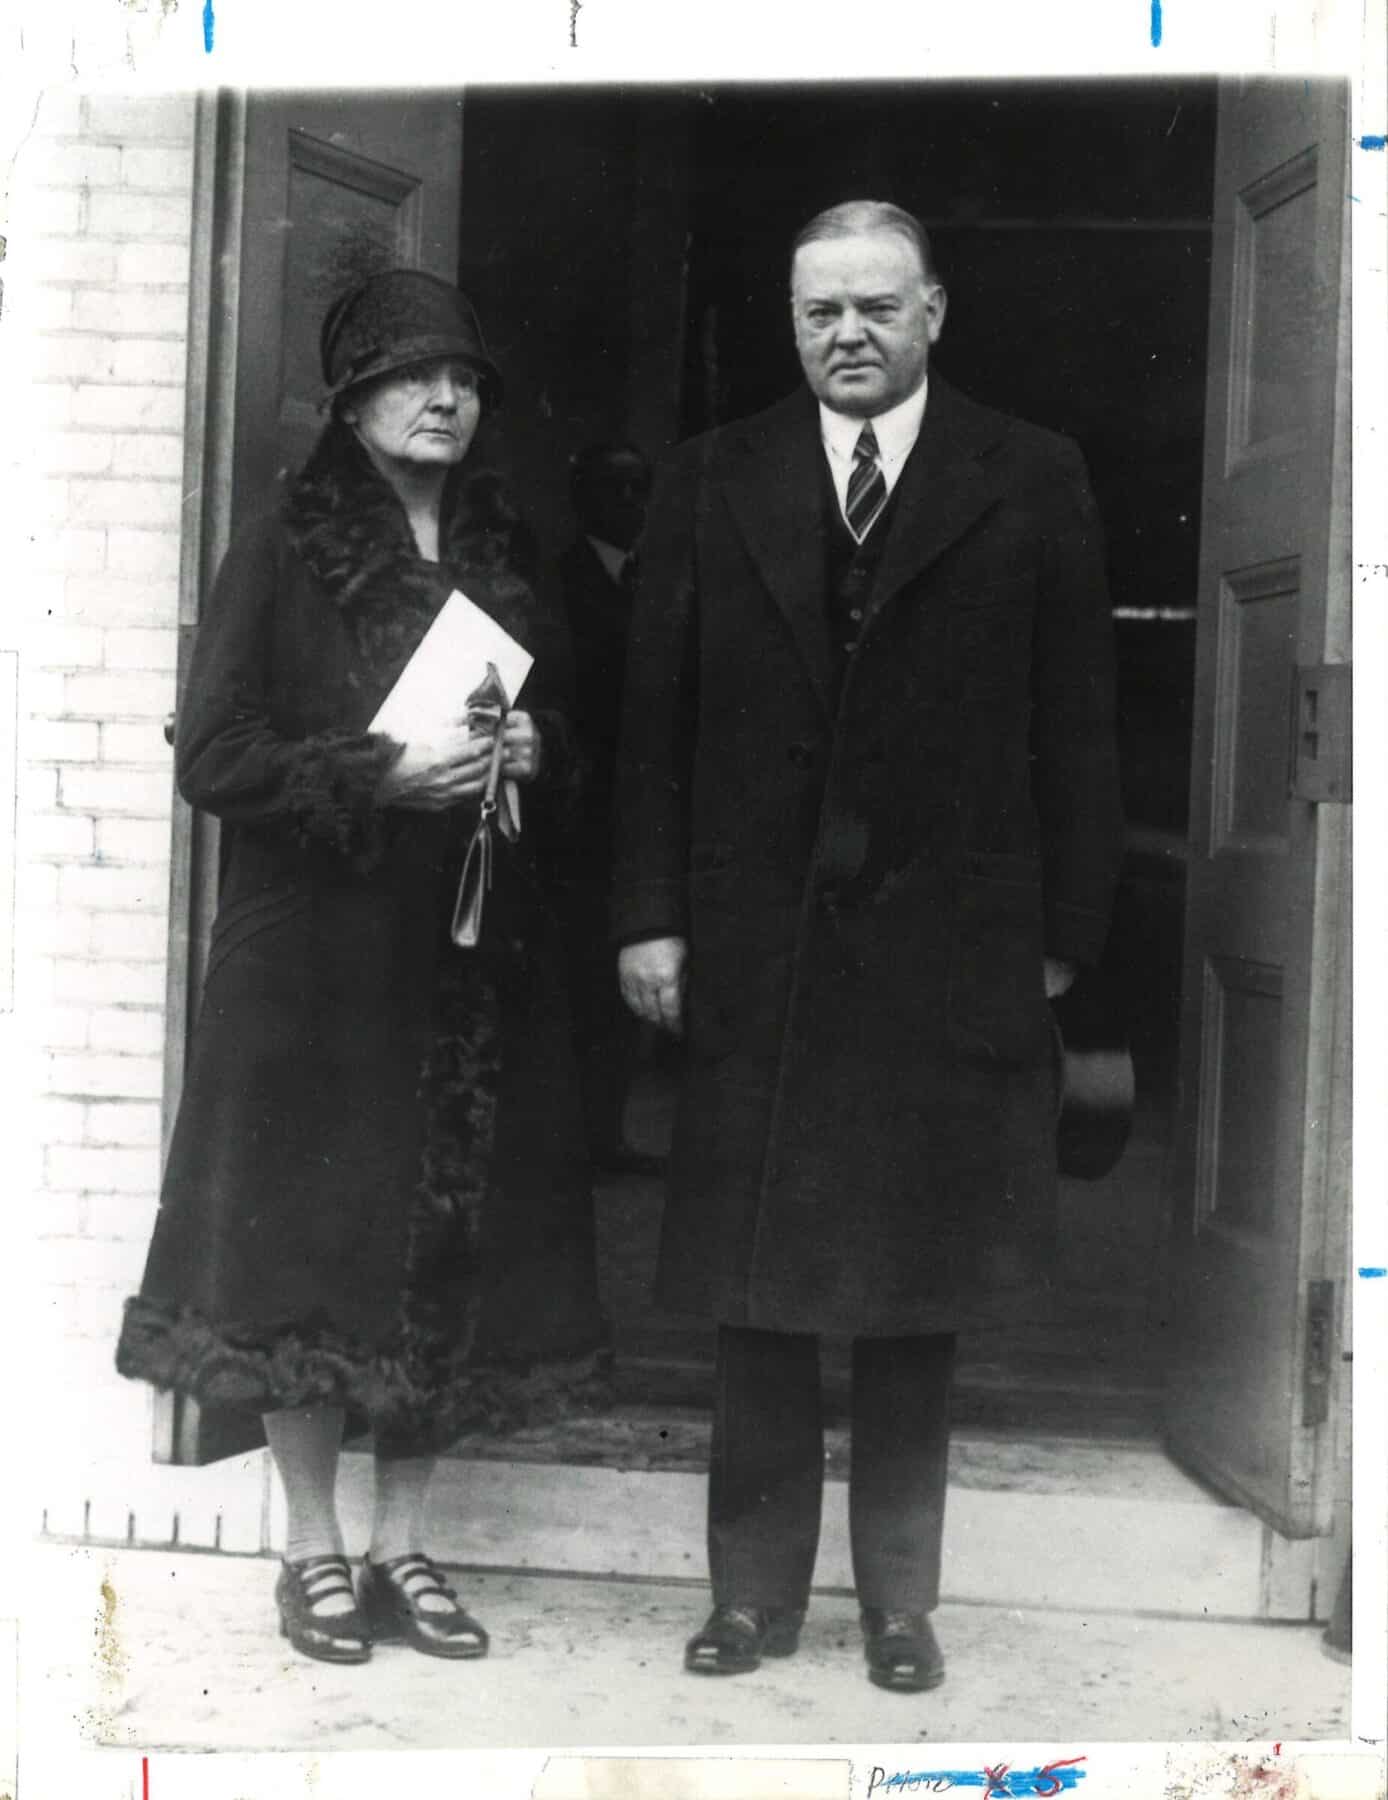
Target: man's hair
[851,218]
[591,462]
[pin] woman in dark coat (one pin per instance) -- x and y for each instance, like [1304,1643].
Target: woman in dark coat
[376,1200]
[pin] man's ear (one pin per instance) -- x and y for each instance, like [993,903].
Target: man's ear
[936,303]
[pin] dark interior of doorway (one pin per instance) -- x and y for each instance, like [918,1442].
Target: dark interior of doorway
[1072,228]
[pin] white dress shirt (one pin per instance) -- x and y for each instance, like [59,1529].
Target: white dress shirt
[896,431]
[612,558]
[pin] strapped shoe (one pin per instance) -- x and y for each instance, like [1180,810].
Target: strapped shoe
[735,1638]
[300,1589]
[901,1650]
[390,1595]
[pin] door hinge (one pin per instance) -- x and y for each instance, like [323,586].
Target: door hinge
[1318,1355]
[1321,759]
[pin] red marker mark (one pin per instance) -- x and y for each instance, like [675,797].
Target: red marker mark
[1276,1749]
[144,1777]
[997,1782]
[1054,1784]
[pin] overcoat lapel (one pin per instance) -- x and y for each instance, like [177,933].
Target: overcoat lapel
[774,483]
[944,489]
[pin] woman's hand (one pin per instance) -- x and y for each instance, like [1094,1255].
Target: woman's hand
[521,747]
[432,774]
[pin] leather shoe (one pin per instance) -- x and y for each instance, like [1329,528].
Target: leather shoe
[901,1650]
[390,1595]
[735,1638]
[300,1588]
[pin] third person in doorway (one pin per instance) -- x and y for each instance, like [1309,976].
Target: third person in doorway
[609,488]
[868,823]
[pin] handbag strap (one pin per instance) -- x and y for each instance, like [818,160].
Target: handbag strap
[493,692]
[493,776]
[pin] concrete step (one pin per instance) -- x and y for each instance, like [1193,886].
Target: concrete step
[1043,1524]
[1048,1523]
[1034,1519]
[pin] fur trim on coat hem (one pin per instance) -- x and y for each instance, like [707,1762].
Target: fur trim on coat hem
[414,1403]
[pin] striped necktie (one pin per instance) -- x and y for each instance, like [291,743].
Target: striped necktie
[867,485]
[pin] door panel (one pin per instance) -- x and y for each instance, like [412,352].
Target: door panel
[336,187]
[1254,1199]
[297,196]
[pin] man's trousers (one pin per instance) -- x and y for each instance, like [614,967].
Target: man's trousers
[766,1471]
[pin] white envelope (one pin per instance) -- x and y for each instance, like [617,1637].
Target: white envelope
[449,664]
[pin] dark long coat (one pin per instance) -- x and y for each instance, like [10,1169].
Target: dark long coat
[868,873]
[376,1190]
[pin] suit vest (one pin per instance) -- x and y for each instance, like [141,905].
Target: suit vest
[851,570]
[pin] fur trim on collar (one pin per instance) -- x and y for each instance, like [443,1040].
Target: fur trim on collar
[347,525]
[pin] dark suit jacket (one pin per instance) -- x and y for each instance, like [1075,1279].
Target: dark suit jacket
[868,877]
[599,616]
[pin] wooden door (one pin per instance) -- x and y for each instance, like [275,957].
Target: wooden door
[1259,1172]
[296,196]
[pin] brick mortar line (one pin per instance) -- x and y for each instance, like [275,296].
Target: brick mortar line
[106,140]
[113,381]
[66,333]
[106,189]
[67,284]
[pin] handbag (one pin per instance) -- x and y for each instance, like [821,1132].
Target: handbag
[487,702]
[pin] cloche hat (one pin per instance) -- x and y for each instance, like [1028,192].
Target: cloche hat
[398,317]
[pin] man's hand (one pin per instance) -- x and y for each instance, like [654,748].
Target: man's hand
[652,980]
[1059,976]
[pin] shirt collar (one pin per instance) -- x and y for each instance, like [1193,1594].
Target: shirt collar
[896,430]
[611,556]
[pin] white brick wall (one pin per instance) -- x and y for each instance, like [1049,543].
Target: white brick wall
[92,353]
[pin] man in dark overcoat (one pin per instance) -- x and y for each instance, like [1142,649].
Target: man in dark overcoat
[868,823]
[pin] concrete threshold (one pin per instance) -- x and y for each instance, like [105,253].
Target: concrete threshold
[1046,1523]
[1141,1537]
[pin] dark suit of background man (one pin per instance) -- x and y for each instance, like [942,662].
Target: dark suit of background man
[868,817]
[609,487]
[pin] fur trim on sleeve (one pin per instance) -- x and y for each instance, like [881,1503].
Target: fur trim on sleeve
[330,791]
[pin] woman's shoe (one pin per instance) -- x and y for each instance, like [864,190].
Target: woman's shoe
[335,1637]
[390,1593]
[734,1639]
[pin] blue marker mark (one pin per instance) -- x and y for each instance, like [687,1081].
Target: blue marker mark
[999,1783]
[1373,140]
[209,26]
[1373,1274]
[1156,24]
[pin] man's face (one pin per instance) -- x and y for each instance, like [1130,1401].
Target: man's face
[865,318]
[611,502]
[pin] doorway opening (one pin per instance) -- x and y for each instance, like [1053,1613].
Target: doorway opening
[1072,226]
